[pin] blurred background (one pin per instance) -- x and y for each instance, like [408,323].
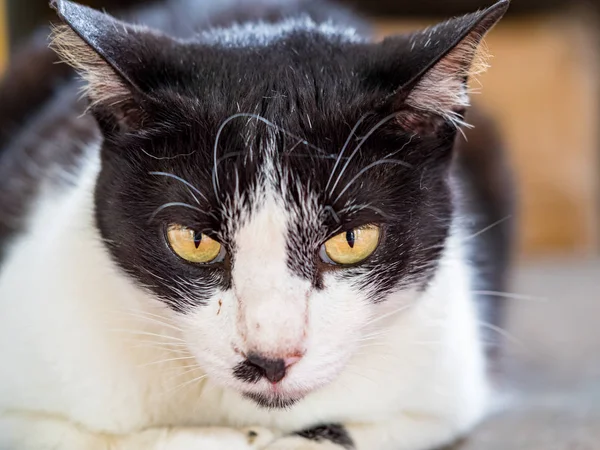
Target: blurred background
[543,90]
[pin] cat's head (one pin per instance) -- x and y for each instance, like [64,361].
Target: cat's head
[278,186]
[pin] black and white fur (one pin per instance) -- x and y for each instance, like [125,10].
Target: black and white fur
[270,133]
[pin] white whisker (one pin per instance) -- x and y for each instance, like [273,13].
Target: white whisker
[385,316]
[215,176]
[170,205]
[502,332]
[163,361]
[365,169]
[489,227]
[147,333]
[188,184]
[154,319]
[343,150]
[511,295]
[187,383]
[352,208]
[359,146]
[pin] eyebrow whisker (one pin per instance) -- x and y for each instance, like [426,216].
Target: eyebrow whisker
[187,183]
[170,205]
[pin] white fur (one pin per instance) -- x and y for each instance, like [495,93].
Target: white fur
[92,361]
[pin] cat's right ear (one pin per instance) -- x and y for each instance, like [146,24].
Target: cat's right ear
[109,55]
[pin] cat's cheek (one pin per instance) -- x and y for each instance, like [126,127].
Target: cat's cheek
[210,334]
[338,315]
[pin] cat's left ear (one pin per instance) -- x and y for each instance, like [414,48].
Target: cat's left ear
[432,68]
[117,61]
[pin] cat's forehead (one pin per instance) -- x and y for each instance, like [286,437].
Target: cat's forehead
[310,67]
[292,147]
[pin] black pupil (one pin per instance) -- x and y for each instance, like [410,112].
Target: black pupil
[197,238]
[350,238]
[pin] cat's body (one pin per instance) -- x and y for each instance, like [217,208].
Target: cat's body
[99,346]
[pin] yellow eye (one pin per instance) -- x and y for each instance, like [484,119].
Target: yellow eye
[353,246]
[193,246]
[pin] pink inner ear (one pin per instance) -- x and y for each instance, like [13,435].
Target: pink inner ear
[419,122]
[442,90]
[104,86]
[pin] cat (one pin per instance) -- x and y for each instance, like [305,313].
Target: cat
[251,231]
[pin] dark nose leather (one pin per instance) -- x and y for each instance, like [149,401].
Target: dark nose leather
[272,369]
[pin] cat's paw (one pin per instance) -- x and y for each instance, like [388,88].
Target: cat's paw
[300,443]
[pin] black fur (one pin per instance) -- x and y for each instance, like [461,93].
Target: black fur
[334,433]
[271,402]
[257,367]
[247,372]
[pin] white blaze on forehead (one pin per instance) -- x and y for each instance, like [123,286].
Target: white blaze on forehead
[272,301]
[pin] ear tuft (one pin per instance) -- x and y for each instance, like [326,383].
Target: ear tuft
[103,84]
[108,54]
[440,90]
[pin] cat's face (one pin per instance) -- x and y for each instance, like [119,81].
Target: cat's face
[285,251]
[277,193]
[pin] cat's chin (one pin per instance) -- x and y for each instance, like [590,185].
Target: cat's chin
[273,401]
[275,396]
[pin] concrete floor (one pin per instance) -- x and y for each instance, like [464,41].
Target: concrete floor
[551,385]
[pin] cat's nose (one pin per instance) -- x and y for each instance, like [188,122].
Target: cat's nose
[273,370]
